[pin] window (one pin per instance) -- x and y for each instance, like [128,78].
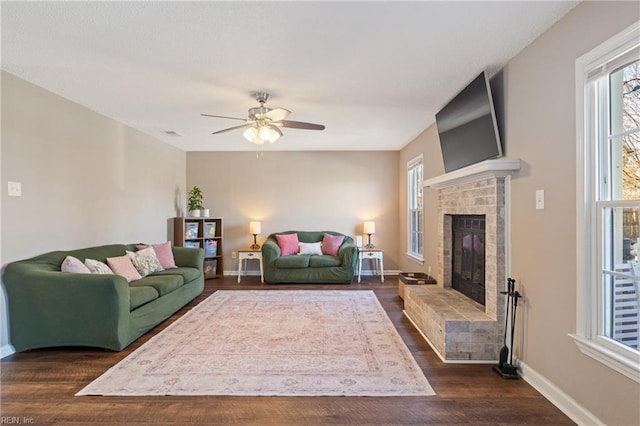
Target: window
[608,208]
[414,185]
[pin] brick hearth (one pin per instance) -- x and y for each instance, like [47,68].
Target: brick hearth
[455,326]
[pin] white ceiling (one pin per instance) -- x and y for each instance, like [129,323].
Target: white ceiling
[375,73]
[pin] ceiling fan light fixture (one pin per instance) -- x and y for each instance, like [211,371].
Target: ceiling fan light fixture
[263,124]
[265,132]
[251,134]
[269,132]
[275,133]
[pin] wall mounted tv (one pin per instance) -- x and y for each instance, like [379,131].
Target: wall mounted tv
[467,127]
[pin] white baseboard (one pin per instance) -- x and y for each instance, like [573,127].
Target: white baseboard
[6,350]
[557,397]
[554,394]
[234,273]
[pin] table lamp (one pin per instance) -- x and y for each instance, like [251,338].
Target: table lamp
[255,229]
[369,228]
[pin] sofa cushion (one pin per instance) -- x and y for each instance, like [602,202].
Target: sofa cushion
[188,274]
[163,284]
[139,295]
[293,262]
[324,261]
[288,244]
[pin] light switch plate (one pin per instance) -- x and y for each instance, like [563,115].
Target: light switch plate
[540,199]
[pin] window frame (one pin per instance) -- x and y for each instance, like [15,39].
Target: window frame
[590,129]
[412,164]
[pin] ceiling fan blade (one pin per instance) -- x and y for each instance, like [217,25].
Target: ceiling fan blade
[222,116]
[277,114]
[233,128]
[300,125]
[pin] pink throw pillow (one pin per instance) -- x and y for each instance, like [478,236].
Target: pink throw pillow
[288,244]
[331,244]
[163,253]
[122,266]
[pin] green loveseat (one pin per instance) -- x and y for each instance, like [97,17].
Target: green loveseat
[49,308]
[302,268]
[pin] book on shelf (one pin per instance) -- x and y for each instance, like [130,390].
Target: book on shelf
[210,248]
[209,229]
[192,244]
[210,267]
[191,230]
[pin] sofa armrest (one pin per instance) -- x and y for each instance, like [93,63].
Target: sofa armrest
[270,251]
[348,253]
[190,257]
[53,308]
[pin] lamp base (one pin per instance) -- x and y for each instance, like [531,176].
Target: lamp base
[255,245]
[369,245]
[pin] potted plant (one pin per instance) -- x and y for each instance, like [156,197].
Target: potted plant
[194,201]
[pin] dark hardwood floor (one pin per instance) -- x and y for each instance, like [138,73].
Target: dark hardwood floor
[38,386]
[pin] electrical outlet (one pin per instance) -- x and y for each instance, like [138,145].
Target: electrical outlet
[14,189]
[234,254]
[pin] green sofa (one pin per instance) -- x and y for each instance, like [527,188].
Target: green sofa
[49,308]
[309,268]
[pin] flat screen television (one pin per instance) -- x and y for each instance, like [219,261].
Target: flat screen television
[467,127]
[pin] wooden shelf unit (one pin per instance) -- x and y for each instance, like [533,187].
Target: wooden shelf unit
[204,233]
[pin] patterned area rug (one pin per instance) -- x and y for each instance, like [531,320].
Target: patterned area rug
[278,342]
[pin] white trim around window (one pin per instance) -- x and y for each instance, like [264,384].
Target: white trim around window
[415,216]
[594,64]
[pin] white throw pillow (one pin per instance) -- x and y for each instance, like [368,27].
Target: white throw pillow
[97,267]
[310,248]
[74,265]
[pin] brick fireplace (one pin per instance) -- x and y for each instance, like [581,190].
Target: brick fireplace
[458,328]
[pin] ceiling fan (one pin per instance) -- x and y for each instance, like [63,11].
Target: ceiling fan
[263,124]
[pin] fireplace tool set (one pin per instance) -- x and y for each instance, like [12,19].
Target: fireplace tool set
[506,369]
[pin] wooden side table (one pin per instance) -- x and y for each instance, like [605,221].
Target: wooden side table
[243,256]
[374,254]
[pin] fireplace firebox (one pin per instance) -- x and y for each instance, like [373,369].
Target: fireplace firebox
[468,259]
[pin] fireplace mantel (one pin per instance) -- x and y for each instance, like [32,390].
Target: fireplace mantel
[485,170]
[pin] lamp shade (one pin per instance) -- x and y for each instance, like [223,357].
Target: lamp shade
[255,228]
[369,227]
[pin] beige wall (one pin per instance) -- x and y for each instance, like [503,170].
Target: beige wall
[312,191]
[541,110]
[540,130]
[86,179]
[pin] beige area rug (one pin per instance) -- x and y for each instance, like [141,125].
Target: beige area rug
[276,342]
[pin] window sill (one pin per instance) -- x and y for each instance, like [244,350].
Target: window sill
[415,258]
[611,359]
